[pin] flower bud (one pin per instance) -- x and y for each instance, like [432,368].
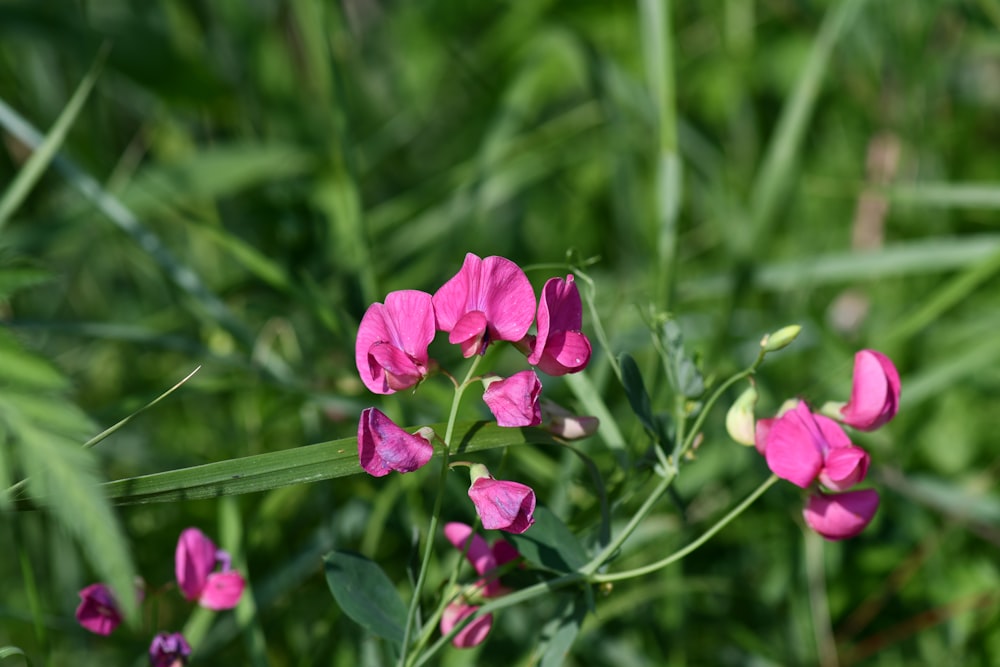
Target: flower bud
[783,337]
[501,504]
[740,422]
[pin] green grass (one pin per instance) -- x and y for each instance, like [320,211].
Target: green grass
[243,179]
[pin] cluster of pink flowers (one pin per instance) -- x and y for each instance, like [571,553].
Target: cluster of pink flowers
[195,561]
[814,452]
[487,301]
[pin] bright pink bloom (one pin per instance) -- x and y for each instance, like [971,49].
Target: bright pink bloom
[488,299]
[514,400]
[194,564]
[383,446]
[559,346]
[503,505]
[874,392]
[802,447]
[169,650]
[391,348]
[838,516]
[484,560]
[98,611]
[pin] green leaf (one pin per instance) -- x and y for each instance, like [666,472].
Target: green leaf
[561,631]
[550,543]
[638,398]
[681,368]
[366,594]
[310,463]
[8,651]
[16,278]
[21,368]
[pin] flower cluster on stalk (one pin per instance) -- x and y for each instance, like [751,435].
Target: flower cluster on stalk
[204,575]
[814,452]
[488,301]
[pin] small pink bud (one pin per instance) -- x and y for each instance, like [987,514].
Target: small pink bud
[383,446]
[98,611]
[839,516]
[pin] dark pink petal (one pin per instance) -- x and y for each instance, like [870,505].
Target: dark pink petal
[470,333]
[471,635]
[392,341]
[194,559]
[496,287]
[504,552]
[383,446]
[565,352]
[874,392]
[844,467]
[514,400]
[222,590]
[98,611]
[478,553]
[559,309]
[503,505]
[832,433]
[794,448]
[841,515]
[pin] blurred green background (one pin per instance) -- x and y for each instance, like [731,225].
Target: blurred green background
[246,177]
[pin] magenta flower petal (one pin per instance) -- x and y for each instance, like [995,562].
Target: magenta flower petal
[169,650]
[98,611]
[391,348]
[495,287]
[222,590]
[470,333]
[479,553]
[503,505]
[844,467]
[874,392]
[471,635]
[761,431]
[383,446]
[794,449]
[559,346]
[514,400]
[504,552]
[840,516]
[194,559]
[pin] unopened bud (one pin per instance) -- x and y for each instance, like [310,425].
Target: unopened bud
[740,421]
[780,338]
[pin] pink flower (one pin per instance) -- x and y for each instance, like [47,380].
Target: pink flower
[501,504]
[514,400]
[391,348]
[802,447]
[559,346]
[194,564]
[839,516]
[874,392]
[485,560]
[488,299]
[98,611]
[383,446]
[169,650]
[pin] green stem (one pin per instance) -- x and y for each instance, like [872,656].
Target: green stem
[411,613]
[681,553]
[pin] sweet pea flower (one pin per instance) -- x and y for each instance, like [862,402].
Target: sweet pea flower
[169,650]
[501,504]
[802,447]
[391,347]
[485,560]
[383,446]
[98,611]
[514,400]
[488,299]
[194,564]
[874,392]
[562,423]
[839,516]
[559,346]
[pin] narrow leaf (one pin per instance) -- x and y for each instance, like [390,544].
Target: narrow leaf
[635,390]
[550,543]
[561,631]
[366,594]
